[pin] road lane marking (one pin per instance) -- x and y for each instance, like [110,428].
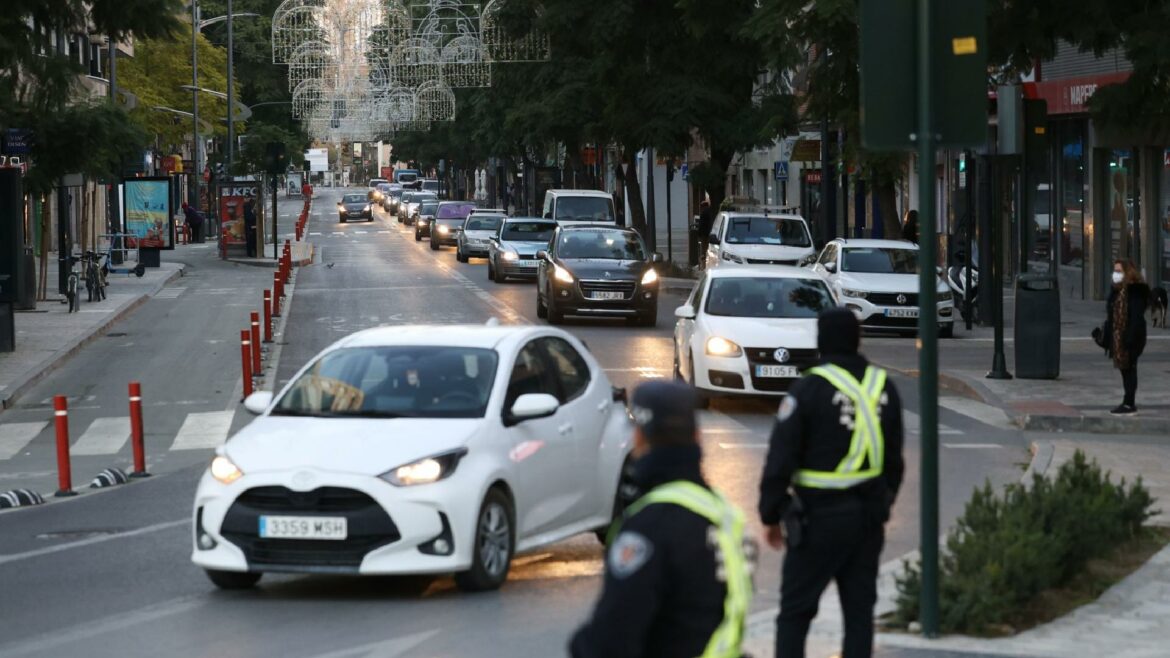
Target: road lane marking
[717,421]
[121,621]
[912,423]
[104,436]
[972,446]
[81,543]
[15,436]
[382,648]
[984,413]
[204,430]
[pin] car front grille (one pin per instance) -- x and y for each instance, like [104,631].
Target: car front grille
[774,261]
[368,527]
[879,321]
[891,298]
[802,358]
[588,287]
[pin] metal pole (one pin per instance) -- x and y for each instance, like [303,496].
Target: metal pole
[115,217]
[231,95]
[651,223]
[195,106]
[927,331]
[995,286]
[275,251]
[669,185]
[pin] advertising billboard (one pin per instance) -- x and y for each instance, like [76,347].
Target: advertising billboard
[149,215]
[232,199]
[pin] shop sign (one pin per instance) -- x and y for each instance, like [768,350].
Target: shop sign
[1071,95]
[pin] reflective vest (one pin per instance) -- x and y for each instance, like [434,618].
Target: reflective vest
[735,570]
[868,443]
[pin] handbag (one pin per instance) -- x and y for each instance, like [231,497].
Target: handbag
[1099,337]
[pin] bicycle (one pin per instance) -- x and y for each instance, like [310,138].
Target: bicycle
[71,285]
[95,276]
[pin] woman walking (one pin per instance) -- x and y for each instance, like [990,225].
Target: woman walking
[1125,328]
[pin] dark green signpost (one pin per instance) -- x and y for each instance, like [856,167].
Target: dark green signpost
[924,87]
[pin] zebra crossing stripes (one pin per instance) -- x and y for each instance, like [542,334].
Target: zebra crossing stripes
[105,436]
[170,293]
[201,431]
[15,436]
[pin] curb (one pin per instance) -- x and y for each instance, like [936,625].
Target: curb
[955,384]
[59,358]
[1042,452]
[264,262]
[1096,424]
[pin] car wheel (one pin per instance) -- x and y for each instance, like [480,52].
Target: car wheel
[626,491]
[947,330]
[417,236]
[434,246]
[370,218]
[340,220]
[550,309]
[701,400]
[492,548]
[492,272]
[233,579]
[541,309]
[459,256]
[677,370]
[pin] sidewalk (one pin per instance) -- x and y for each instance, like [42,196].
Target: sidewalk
[1127,621]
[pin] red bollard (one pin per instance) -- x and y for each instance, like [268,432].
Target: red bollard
[254,339]
[276,294]
[136,436]
[246,361]
[267,316]
[64,468]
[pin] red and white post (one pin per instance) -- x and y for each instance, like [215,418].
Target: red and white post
[246,360]
[254,339]
[267,316]
[137,442]
[64,466]
[276,294]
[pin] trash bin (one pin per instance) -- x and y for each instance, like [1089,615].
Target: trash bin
[1037,326]
[26,299]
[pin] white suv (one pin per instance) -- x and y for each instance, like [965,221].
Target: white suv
[579,207]
[878,281]
[758,238]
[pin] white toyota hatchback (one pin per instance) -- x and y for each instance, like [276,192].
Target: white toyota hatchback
[749,330]
[417,450]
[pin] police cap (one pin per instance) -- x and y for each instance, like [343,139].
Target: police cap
[665,412]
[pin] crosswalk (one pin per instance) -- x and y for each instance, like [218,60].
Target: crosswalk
[110,435]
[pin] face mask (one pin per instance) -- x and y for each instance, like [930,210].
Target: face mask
[1118,277]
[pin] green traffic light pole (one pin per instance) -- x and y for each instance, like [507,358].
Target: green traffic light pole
[927,331]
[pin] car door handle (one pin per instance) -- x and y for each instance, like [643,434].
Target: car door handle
[604,406]
[565,429]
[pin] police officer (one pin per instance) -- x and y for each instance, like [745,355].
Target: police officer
[677,569]
[833,469]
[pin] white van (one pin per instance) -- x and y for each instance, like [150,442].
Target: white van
[758,238]
[569,207]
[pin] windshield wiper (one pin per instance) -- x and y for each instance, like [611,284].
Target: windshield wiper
[359,413]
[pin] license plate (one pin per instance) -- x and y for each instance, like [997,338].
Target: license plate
[606,295]
[527,263]
[901,312]
[304,527]
[777,371]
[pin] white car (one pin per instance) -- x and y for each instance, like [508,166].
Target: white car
[878,281]
[749,331]
[758,238]
[475,240]
[417,450]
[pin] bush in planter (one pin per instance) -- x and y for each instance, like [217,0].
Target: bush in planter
[1006,549]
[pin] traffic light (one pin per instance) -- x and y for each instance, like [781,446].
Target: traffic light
[962,162]
[275,160]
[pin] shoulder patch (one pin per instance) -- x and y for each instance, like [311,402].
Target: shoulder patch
[787,408]
[628,553]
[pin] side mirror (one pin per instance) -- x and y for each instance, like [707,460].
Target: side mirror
[656,257]
[831,266]
[684,312]
[712,239]
[619,394]
[548,215]
[542,255]
[258,402]
[531,406]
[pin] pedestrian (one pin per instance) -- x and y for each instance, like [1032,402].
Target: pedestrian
[307,190]
[1125,328]
[910,226]
[194,220]
[250,227]
[833,469]
[677,567]
[706,223]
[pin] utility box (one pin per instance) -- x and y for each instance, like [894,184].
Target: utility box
[1037,326]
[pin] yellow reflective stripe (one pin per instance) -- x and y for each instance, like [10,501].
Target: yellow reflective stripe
[861,443]
[867,439]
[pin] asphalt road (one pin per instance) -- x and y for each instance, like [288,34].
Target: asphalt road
[109,574]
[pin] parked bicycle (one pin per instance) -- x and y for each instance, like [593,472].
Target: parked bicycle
[95,276]
[72,283]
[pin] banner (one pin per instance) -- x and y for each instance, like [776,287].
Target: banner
[149,215]
[233,198]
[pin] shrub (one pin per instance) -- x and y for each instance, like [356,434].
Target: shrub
[1004,550]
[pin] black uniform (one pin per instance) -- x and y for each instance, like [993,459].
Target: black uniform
[661,596]
[843,530]
[250,228]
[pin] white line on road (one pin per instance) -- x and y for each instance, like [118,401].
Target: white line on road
[913,423]
[984,413]
[202,431]
[105,436]
[15,436]
[81,543]
[382,648]
[117,622]
[972,446]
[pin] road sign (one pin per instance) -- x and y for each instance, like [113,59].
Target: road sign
[685,171]
[781,169]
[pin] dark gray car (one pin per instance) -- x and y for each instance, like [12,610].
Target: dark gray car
[354,206]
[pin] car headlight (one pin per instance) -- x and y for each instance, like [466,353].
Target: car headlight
[649,277]
[563,275]
[945,296]
[717,346]
[727,255]
[425,471]
[224,470]
[443,228]
[367,209]
[510,255]
[857,294]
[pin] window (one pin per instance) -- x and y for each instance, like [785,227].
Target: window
[829,255]
[483,223]
[752,297]
[455,210]
[601,244]
[531,374]
[570,367]
[696,301]
[584,208]
[880,261]
[788,232]
[354,198]
[528,231]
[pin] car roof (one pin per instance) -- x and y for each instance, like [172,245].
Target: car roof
[594,227]
[732,214]
[762,272]
[592,193]
[453,335]
[489,211]
[542,220]
[877,244]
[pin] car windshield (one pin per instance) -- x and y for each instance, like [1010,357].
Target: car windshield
[383,187]
[601,243]
[483,223]
[875,260]
[528,231]
[587,209]
[427,207]
[407,178]
[431,185]
[454,210]
[788,232]
[394,382]
[766,297]
[354,198]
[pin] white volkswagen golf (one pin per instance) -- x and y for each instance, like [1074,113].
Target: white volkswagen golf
[417,450]
[749,330]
